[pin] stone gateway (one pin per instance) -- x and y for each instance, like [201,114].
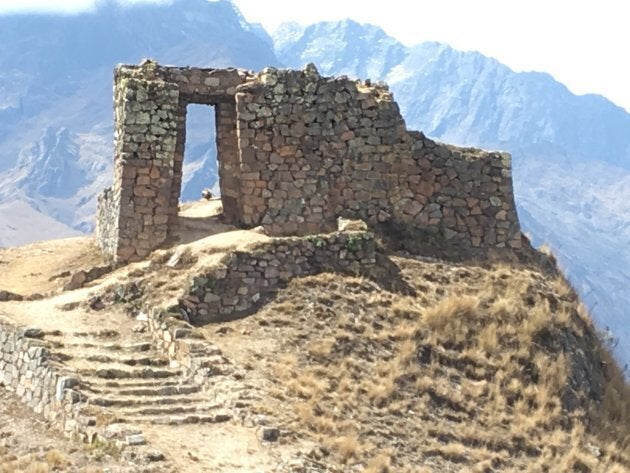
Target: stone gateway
[295,152]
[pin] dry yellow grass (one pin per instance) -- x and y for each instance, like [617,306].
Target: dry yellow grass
[347,447]
[52,460]
[381,463]
[472,372]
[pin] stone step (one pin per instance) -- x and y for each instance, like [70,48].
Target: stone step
[181,419]
[69,345]
[204,349]
[104,334]
[123,401]
[156,391]
[150,410]
[103,384]
[96,357]
[118,372]
[211,361]
[214,367]
[129,361]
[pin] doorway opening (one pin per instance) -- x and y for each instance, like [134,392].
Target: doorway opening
[207,168]
[200,164]
[200,208]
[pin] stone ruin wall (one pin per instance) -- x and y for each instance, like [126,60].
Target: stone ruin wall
[314,148]
[296,151]
[139,212]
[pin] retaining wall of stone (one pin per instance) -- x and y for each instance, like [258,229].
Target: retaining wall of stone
[26,370]
[244,279]
[170,332]
[183,344]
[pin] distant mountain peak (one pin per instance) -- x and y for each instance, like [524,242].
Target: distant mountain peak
[343,47]
[51,165]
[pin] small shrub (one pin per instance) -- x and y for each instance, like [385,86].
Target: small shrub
[317,241]
[353,243]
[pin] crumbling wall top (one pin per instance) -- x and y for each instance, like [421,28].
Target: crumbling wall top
[196,84]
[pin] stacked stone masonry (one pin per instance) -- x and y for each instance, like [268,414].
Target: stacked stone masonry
[185,346]
[295,151]
[26,370]
[244,279]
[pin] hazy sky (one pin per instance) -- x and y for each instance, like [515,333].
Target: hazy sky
[582,43]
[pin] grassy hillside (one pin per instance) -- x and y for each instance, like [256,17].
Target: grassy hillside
[451,367]
[474,369]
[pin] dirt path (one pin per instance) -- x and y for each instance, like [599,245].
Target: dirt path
[228,448]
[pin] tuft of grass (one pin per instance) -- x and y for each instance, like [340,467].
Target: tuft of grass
[56,459]
[307,385]
[380,463]
[347,447]
[488,339]
[37,467]
[321,349]
[101,449]
[380,392]
[453,313]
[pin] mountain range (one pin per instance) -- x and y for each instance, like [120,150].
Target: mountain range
[571,154]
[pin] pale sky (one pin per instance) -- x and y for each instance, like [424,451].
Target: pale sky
[583,43]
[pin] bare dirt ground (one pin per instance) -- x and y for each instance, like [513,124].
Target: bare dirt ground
[32,269]
[45,267]
[228,448]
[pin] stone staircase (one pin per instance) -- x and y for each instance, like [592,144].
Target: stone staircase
[126,381]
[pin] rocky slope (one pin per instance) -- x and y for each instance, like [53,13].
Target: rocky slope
[571,153]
